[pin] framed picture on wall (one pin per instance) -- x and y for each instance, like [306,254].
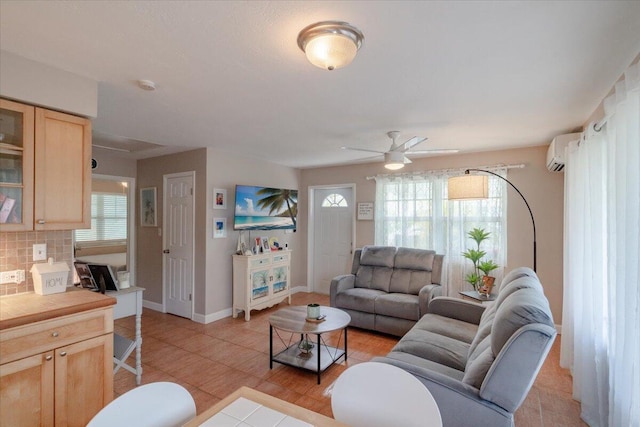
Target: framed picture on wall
[219,198]
[219,228]
[148,214]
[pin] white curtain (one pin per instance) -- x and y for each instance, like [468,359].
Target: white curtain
[601,318]
[414,211]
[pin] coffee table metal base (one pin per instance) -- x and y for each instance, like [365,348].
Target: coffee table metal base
[321,357]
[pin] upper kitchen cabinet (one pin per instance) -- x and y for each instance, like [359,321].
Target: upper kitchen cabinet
[52,188]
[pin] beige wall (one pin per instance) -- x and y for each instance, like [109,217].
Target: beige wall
[149,242]
[224,171]
[544,191]
[110,163]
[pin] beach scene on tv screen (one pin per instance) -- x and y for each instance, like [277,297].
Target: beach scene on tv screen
[263,208]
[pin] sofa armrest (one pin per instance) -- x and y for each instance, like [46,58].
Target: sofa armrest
[426,294]
[455,308]
[460,404]
[339,284]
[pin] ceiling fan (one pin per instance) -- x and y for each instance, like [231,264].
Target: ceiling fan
[396,156]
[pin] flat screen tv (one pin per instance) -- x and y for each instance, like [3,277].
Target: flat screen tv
[265,208]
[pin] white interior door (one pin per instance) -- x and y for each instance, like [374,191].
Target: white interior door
[332,235]
[178,243]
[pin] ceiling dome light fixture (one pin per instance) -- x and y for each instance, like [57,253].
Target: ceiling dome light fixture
[330,44]
[394,160]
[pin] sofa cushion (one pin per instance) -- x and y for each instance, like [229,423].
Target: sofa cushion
[403,306]
[409,281]
[447,326]
[378,256]
[373,277]
[484,328]
[522,307]
[435,347]
[516,274]
[358,299]
[425,364]
[414,259]
[477,370]
[520,283]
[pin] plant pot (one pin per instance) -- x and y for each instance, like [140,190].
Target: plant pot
[487,285]
[305,347]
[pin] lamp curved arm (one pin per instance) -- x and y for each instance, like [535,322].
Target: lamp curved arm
[533,221]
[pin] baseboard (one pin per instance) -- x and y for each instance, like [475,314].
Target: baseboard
[208,318]
[297,289]
[152,305]
[559,329]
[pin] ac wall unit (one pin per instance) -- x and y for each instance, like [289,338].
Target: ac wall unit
[556,152]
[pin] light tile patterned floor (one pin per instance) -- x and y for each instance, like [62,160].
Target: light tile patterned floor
[213,360]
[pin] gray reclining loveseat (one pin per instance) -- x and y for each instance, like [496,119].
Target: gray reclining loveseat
[480,362]
[389,288]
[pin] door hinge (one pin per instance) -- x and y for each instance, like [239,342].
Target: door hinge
[189,297]
[191,191]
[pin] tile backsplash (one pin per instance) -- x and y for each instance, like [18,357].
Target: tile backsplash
[16,253]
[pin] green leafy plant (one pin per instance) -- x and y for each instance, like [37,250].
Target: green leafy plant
[476,255]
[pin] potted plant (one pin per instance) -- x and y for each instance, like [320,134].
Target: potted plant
[476,255]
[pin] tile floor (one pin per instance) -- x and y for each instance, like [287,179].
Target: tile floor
[213,360]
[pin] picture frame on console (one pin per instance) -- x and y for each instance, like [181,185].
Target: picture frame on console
[265,245]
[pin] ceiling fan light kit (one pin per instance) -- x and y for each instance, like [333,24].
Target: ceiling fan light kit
[330,44]
[394,160]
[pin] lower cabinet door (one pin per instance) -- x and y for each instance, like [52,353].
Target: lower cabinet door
[83,380]
[26,391]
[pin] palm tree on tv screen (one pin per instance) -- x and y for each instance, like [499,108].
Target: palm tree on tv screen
[276,198]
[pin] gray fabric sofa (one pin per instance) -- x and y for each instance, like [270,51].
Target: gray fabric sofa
[389,288]
[480,362]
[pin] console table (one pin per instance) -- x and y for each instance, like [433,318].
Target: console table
[129,302]
[477,297]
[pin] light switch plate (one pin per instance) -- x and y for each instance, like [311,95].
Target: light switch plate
[40,252]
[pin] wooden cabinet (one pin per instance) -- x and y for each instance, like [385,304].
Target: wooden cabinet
[45,169]
[57,372]
[260,281]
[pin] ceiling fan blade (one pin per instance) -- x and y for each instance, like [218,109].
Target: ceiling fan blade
[410,143]
[362,149]
[434,151]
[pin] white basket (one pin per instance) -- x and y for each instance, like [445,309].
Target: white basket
[50,278]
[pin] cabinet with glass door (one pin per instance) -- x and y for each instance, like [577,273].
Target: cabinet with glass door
[16,166]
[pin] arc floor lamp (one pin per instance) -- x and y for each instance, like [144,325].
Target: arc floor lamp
[476,187]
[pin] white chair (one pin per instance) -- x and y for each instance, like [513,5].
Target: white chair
[376,394]
[160,404]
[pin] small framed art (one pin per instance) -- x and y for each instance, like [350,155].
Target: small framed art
[219,228]
[265,245]
[148,216]
[219,198]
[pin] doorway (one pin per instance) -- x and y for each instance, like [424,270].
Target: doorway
[178,243]
[332,234]
[111,238]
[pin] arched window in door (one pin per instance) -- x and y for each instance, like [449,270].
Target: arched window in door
[334,200]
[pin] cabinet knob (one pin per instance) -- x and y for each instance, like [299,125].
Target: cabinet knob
[41,221]
[55,334]
[48,358]
[63,353]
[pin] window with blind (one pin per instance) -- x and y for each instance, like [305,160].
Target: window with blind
[108,221]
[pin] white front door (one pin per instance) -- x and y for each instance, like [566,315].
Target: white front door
[332,235]
[178,243]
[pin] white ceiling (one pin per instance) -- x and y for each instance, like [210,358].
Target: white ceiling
[468,75]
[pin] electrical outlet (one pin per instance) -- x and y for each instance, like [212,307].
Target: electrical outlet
[15,276]
[40,252]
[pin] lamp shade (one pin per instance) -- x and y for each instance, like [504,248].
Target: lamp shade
[330,44]
[394,160]
[468,187]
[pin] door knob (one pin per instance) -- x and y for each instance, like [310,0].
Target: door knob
[166,251]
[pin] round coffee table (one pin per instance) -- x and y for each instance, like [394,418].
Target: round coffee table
[321,356]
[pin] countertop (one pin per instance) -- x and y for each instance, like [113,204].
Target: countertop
[22,309]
